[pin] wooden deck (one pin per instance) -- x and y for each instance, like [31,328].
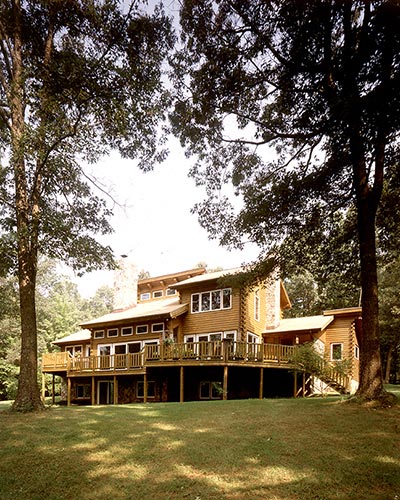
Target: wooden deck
[225,352]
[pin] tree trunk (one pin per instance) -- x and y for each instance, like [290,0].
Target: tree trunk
[371,382]
[26,211]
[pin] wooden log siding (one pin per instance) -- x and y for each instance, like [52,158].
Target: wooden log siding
[340,331]
[211,321]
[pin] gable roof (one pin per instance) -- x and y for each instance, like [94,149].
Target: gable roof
[81,336]
[315,323]
[202,278]
[167,307]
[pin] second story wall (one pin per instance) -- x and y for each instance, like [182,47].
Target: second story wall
[213,320]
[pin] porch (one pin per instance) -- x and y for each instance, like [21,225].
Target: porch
[221,352]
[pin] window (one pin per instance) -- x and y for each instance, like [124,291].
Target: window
[134,347]
[99,334]
[128,330]
[120,349]
[157,294]
[157,327]
[74,350]
[336,352]
[113,332]
[142,329]
[170,291]
[151,389]
[83,391]
[145,296]
[212,301]
[356,352]
[257,305]
[210,390]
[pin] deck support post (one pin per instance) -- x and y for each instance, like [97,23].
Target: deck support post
[93,391]
[295,384]
[115,390]
[145,387]
[225,384]
[44,387]
[53,389]
[304,384]
[69,391]
[261,393]
[182,384]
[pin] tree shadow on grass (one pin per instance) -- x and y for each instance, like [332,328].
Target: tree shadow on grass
[223,450]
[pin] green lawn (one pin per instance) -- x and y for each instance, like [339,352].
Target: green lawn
[309,449]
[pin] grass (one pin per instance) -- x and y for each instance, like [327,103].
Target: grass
[314,449]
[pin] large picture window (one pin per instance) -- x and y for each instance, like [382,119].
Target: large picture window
[213,300]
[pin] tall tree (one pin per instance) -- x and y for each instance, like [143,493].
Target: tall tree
[319,82]
[77,77]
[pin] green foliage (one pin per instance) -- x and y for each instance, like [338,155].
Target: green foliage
[296,107]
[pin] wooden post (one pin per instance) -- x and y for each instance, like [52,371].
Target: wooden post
[261,393]
[145,387]
[43,387]
[295,384]
[304,384]
[93,391]
[53,389]
[69,391]
[225,384]
[115,390]
[182,385]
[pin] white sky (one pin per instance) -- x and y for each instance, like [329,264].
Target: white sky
[155,227]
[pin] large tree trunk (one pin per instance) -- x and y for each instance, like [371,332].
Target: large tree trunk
[371,382]
[26,212]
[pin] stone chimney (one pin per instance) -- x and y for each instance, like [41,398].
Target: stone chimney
[125,284]
[273,293]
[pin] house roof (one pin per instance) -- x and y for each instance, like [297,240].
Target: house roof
[169,279]
[166,307]
[80,336]
[202,278]
[302,324]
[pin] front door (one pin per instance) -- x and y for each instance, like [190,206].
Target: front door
[105,392]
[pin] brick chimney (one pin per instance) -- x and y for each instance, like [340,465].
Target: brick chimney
[125,284]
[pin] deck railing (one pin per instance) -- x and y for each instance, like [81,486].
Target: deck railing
[213,351]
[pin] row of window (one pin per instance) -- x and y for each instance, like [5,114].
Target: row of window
[128,330]
[213,300]
[157,294]
[83,391]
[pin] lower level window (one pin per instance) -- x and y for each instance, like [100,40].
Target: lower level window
[151,389]
[210,390]
[336,352]
[82,391]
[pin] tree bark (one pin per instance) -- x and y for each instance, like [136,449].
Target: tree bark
[28,393]
[371,381]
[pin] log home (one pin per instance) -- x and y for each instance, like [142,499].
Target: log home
[194,335]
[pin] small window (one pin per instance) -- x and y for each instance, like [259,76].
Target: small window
[336,352]
[112,332]
[157,327]
[134,347]
[226,298]
[145,296]
[142,329]
[157,294]
[356,352]
[257,305]
[151,389]
[210,390]
[83,391]
[196,302]
[170,291]
[205,301]
[128,330]
[99,334]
